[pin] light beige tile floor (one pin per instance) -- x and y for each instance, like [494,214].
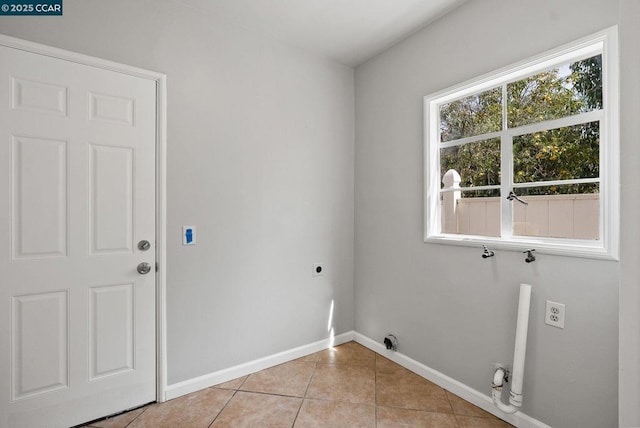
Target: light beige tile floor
[347,386]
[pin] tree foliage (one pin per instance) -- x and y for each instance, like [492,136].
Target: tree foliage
[586,76]
[557,154]
[474,115]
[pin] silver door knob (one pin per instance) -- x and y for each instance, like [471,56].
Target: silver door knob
[144,245]
[143,268]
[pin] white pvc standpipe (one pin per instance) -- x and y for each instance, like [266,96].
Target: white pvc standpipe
[520,349]
[515,396]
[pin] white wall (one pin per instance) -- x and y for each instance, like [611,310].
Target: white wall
[451,309]
[260,160]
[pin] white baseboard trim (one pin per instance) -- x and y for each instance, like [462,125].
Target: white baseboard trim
[469,394]
[191,385]
[481,400]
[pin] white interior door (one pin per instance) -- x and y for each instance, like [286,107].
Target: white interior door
[77,194]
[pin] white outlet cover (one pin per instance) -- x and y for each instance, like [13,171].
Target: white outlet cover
[554,314]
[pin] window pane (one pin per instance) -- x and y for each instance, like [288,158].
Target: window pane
[477,163]
[474,115]
[471,213]
[565,153]
[586,78]
[569,89]
[571,211]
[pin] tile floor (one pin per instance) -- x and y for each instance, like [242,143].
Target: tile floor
[346,386]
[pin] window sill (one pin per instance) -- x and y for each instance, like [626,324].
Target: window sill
[559,247]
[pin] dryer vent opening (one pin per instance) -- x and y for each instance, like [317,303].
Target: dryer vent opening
[391,342]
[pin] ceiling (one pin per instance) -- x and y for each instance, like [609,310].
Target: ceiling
[349,31]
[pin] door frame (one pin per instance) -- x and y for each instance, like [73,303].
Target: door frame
[160,179]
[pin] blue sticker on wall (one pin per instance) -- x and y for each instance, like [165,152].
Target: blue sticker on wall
[188,235]
[31,7]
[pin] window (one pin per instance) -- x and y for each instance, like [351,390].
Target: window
[528,156]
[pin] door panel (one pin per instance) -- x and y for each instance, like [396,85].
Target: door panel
[39,97]
[111,341]
[111,192]
[39,186]
[109,108]
[40,343]
[77,193]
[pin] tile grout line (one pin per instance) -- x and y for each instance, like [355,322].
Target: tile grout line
[446,394]
[244,381]
[457,421]
[455,416]
[375,389]
[304,396]
[223,407]
[273,394]
[315,367]
[141,413]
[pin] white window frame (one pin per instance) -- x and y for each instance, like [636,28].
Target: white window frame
[604,42]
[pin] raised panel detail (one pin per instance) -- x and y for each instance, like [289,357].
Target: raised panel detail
[39,97]
[111,218]
[112,109]
[40,209]
[110,330]
[40,346]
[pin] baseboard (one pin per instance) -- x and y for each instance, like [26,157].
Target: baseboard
[191,385]
[471,395]
[477,398]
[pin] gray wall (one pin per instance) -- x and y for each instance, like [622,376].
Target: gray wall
[451,309]
[629,391]
[260,160]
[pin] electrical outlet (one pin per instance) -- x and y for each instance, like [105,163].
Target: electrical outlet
[318,269]
[554,314]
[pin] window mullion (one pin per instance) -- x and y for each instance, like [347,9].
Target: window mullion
[467,140]
[506,174]
[605,165]
[578,119]
[548,183]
